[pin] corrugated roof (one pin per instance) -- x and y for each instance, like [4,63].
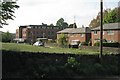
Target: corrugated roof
[75,30]
[110,26]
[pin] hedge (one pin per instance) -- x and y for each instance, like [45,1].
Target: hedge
[105,44]
[45,65]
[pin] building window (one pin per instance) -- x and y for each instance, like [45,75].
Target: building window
[36,27]
[110,32]
[95,32]
[72,34]
[44,27]
[81,35]
[66,35]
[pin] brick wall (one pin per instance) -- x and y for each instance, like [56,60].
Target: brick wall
[113,37]
[76,37]
[33,33]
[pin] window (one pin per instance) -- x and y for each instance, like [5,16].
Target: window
[81,35]
[95,32]
[44,27]
[66,35]
[72,34]
[110,32]
[36,27]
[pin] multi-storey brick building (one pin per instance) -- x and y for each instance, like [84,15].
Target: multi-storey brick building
[30,33]
[79,34]
[111,33]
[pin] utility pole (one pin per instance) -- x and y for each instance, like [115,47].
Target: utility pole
[101,28]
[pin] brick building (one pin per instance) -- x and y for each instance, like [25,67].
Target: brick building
[79,34]
[30,33]
[111,33]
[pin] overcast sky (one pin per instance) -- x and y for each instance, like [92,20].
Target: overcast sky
[49,11]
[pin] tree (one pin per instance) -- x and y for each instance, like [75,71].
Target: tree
[7,11]
[73,25]
[7,37]
[109,16]
[112,16]
[61,23]
[62,40]
[51,24]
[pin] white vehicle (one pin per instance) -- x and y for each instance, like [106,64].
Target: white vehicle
[74,43]
[38,43]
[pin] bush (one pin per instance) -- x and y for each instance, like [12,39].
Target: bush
[84,43]
[105,44]
[7,37]
[97,44]
[113,44]
[45,65]
[62,40]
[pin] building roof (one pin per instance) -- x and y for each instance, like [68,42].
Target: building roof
[24,26]
[110,26]
[75,30]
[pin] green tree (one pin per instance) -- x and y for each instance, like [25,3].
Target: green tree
[61,23]
[7,37]
[51,24]
[112,16]
[62,40]
[7,11]
[109,16]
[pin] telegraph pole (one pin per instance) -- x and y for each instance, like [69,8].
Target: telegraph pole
[101,28]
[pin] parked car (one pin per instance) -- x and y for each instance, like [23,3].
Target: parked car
[38,43]
[74,44]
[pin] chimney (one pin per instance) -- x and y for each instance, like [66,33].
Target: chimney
[82,26]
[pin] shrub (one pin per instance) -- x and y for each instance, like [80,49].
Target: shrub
[97,44]
[106,44]
[62,41]
[7,37]
[113,44]
[84,43]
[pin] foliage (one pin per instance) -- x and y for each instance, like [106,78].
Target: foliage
[108,44]
[7,37]
[61,23]
[109,16]
[97,43]
[7,11]
[72,62]
[112,44]
[51,25]
[62,40]
[112,16]
[84,43]
[73,25]
[41,65]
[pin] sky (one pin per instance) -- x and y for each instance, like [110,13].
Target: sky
[36,12]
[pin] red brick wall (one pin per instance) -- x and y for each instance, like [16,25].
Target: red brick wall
[114,37]
[48,33]
[118,36]
[37,33]
[17,33]
[24,33]
[76,37]
[84,38]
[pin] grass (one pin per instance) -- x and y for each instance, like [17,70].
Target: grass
[30,48]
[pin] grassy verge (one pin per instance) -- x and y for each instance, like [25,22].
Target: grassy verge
[30,48]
